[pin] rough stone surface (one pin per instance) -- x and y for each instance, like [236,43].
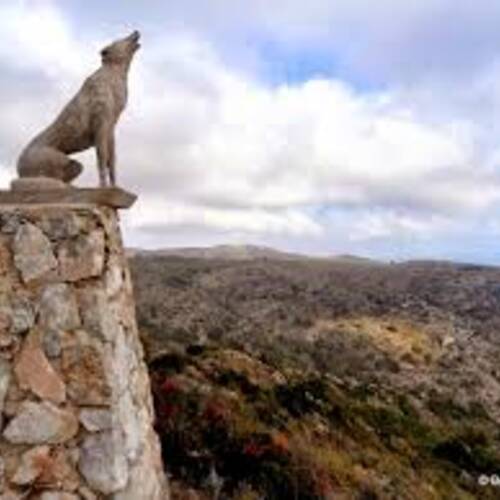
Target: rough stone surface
[22,315]
[74,389]
[10,495]
[5,376]
[5,314]
[97,315]
[58,308]
[61,225]
[2,474]
[10,222]
[51,343]
[41,423]
[142,482]
[114,277]
[58,495]
[103,462]
[33,254]
[33,463]
[5,258]
[34,372]
[96,419]
[82,257]
[85,372]
[86,494]
[60,472]
[130,417]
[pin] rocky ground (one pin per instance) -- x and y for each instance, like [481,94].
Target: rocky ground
[321,378]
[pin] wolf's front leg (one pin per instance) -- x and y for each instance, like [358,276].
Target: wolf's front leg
[112,158]
[103,153]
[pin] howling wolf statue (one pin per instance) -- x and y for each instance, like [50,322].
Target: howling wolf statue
[88,120]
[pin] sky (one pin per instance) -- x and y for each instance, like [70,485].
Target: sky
[320,127]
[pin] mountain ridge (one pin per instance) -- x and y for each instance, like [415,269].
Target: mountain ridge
[244,252]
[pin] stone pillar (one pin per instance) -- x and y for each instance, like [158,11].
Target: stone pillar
[75,404]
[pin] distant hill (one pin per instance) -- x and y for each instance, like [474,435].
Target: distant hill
[243,253]
[354,259]
[224,252]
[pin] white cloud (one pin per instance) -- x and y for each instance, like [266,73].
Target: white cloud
[158,213]
[385,225]
[233,142]
[36,36]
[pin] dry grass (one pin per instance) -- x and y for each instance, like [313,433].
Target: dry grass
[399,338]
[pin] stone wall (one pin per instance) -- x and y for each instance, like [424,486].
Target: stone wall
[75,404]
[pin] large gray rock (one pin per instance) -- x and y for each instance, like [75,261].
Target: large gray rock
[58,313]
[146,475]
[51,343]
[58,308]
[132,422]
[96,419]
[98,317]
[33,254]
[60,225]
[10,221]
[6,337]
[114,276]
[82,257]
[5,376]
[22,315]
[41,423]
[103,463]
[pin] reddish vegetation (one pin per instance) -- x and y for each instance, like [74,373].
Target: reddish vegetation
[215,411]
[306,437]
[169,386]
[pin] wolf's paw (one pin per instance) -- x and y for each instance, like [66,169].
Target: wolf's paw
[72,170]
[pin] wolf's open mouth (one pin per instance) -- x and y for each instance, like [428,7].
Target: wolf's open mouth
[135,38]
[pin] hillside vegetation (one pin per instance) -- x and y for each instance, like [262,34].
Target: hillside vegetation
[318,379]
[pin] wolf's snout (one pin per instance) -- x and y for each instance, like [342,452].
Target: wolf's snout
[135,36]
